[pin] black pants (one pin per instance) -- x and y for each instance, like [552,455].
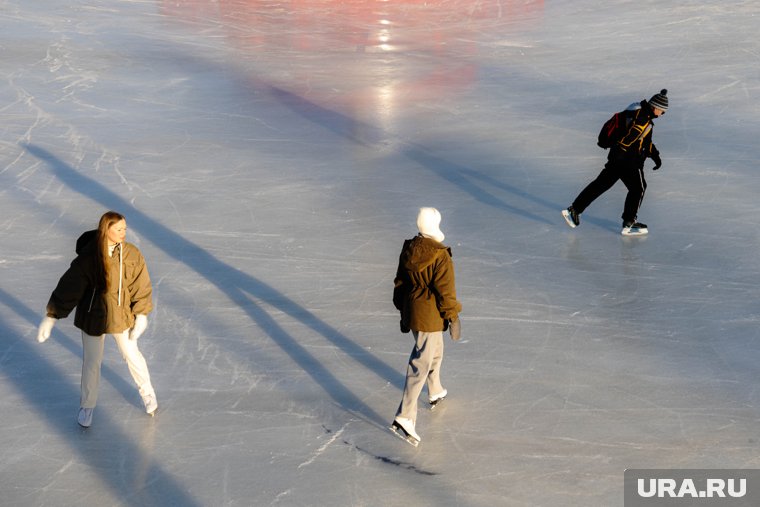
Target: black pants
[618,167]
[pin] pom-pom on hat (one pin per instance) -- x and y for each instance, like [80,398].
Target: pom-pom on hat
[428,221]
[660,100]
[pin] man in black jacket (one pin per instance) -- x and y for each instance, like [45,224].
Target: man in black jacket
[625,162]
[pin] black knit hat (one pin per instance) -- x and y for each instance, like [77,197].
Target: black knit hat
[660,100]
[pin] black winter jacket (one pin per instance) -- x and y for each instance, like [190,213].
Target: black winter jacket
[636,144]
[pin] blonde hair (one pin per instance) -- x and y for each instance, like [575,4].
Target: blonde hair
[106,221]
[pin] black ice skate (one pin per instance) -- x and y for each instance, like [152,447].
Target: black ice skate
[572,218]
[634,229]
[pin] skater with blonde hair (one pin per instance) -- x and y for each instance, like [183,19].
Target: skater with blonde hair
[109,285]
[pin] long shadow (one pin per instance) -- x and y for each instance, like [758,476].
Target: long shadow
[458,175]
[345,126]
[239,287]
[493,182]
[462,177]
[145,484]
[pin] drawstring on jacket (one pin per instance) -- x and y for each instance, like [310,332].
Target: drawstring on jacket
[121,271]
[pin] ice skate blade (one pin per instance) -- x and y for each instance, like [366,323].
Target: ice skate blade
[403,435]
[568,218]
[435,404]
[634,232]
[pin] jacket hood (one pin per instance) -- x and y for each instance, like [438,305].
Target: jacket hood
[86,242]
[647,108]
[421,252]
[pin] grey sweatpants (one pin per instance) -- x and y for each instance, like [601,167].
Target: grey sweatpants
[93,357]
[424,368]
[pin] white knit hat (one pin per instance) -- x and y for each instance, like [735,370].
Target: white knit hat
[428,220]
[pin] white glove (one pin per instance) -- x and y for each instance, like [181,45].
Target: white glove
[141,323]
[46,326]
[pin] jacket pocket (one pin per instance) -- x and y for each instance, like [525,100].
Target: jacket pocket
[130,272]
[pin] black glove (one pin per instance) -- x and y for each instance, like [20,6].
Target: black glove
[657,161]
[404,328]
[455,328]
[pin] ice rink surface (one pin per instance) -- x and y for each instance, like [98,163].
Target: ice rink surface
[270,158]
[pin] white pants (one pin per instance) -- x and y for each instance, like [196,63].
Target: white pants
[424,368]
[93,357]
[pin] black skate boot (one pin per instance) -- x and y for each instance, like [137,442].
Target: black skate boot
[634,229]
[572,218]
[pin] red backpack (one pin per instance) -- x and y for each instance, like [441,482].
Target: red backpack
[612,131]
[615,128]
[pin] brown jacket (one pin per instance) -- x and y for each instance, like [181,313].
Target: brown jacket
[99,312]
[424,289]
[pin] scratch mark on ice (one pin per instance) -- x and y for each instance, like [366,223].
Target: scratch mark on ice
[719,90]
[281,495]
[395,462]
[323,447]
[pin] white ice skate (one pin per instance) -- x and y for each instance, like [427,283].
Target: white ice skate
[151,405]
[436,399]
[404,429]
[84,417]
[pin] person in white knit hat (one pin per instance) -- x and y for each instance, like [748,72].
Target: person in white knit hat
[425,294]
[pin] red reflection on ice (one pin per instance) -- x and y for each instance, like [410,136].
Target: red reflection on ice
[355,50]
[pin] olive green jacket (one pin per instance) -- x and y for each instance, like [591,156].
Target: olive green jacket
[98,311]
[424,288]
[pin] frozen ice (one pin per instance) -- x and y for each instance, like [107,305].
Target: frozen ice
[270,158]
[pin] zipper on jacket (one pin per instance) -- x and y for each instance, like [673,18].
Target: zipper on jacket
[91,300]
[121,273]
[642,133]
